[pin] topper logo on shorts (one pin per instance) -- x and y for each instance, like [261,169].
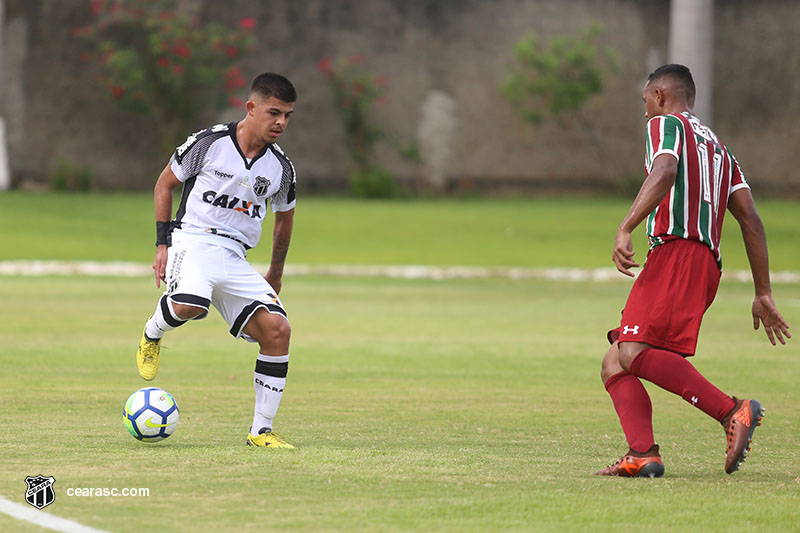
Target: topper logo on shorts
[249,208]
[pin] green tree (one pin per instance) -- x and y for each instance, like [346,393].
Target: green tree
[556,80]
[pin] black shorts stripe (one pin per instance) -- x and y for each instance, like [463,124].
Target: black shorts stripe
[191,299]
[276,370]
[248,311]
[273,308]
[168,318]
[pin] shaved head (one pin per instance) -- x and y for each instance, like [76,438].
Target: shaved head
[676,79]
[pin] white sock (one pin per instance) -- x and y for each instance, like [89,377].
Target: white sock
[268,383]
[163,320]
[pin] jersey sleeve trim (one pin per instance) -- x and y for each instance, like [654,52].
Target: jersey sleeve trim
[285,198]
[176,169]
[663,136]
[666,151]
[742,185]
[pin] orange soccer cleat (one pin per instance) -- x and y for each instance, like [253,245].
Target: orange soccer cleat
[739,426]
[635,464]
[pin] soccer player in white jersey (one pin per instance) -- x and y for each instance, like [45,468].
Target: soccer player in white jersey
[229,173]
[691,179]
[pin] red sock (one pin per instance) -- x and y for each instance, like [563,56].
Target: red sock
[674,373]
[633,408]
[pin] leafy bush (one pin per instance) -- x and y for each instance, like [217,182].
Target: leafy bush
[155,60]
[67,176]
[557,79]
[356,92]
[373,182]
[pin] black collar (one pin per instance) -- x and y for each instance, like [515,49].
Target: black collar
[258,156]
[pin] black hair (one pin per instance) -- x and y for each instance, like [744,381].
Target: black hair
[271,84]
[679,73]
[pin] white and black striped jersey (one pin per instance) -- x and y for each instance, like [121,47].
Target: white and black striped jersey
[226,194]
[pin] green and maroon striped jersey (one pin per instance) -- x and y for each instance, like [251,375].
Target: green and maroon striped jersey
[707,175]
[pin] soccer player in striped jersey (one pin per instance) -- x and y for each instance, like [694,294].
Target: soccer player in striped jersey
[229,173]
[692,178]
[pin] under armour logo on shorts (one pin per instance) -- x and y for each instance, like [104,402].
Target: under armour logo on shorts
[632,330]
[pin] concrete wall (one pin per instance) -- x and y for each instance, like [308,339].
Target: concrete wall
[463,48]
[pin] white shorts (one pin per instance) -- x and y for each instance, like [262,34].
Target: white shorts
[201,274]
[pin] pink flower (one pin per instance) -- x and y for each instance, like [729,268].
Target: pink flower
[97,6]
[182,50]
[247,24]
[117,92]
[82,31]
[234,79]
[103,59]
[231,51]
[178,70]
[325,65]
[163,62]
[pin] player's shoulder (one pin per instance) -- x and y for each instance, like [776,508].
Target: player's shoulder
[673,119]
[286,163]
[209,135]
[278,151]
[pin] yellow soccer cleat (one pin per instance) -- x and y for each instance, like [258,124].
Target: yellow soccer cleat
[147,357]
[267,439]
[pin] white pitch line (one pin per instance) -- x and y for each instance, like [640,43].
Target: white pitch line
[43,519]
[131,269]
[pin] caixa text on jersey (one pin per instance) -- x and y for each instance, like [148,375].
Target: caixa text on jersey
[251,209]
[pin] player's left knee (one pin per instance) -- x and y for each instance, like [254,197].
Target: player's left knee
[274,332]
[628,352]
[281,330]
[610,365]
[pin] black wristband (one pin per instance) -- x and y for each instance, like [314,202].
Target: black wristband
[162,233]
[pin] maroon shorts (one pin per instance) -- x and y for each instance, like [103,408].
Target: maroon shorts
[667,301]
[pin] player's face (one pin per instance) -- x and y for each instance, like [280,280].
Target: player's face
[651,102]
[270,117]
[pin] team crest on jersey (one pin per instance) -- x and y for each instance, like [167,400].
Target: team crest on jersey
[261,186]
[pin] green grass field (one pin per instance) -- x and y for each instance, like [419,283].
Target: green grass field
[415,405]
[559,232]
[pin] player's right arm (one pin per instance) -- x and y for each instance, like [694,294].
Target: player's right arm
[162,199]
[654,189]
[743,208]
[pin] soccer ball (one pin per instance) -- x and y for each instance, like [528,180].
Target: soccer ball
[151,414]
